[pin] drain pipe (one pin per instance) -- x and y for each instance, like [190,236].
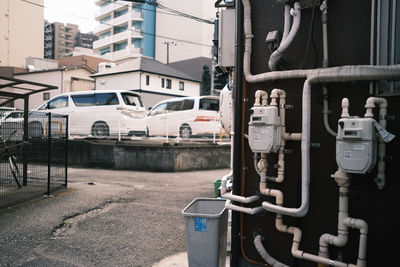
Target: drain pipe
[286,42]
[265,255]
[371,101]
[325,64]
[344,222]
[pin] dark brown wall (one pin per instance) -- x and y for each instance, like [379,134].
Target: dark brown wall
[349,33]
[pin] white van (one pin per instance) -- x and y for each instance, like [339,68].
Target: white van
[184,116]
[100,113]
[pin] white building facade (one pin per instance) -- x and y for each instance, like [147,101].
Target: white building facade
[126,30]
[154,80]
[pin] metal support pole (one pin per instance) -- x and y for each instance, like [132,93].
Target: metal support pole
[25,142]
[238,98]
[66,150]
[48,152]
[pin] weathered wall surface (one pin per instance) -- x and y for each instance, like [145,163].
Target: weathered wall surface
[148,158]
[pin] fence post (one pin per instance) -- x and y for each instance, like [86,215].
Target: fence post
[66,149]
[25,142]
[48,152]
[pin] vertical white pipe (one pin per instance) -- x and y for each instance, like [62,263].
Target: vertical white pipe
[277,54]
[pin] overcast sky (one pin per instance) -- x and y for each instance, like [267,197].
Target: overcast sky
[80,12]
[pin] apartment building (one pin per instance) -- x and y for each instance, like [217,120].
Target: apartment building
[21,23]
[126,30]
[85,40]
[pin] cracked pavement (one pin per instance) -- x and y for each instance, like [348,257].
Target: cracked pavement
[104,218]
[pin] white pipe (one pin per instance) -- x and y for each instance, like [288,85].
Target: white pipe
[282,113]
[338,74]
[370,104]
[261,98]
[224,180]
[244,200]
[344,222]
[286,26]
[345,108]
[251,211]
[265,255]
[277,54]
[325,64]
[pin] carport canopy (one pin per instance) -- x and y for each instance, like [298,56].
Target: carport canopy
[12,89]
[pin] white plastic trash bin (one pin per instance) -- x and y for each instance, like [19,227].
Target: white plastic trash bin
[206,228]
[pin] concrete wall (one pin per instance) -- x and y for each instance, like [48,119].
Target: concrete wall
[148,157]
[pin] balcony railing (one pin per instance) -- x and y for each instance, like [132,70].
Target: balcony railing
[102,42]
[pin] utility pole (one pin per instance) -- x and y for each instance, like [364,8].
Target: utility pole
[168,43]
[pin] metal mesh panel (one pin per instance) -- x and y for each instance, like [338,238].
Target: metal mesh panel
[35,165]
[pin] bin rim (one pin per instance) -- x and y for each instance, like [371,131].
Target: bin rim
[189,214]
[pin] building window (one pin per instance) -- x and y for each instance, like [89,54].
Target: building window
[162,82]
[169,84]
[118,29]
[120,46]
[147,80]
[136,43]
[105,3]
[120,13]
[104,35]
[136,25]
[46,96]
[181,86]
[105,19]
[104,51]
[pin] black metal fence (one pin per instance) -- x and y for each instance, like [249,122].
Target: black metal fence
[34,164]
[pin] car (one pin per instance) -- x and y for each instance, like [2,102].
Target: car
[100,113]
[12,125]
[185,117]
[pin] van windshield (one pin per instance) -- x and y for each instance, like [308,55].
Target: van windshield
[131,100]
[209,104]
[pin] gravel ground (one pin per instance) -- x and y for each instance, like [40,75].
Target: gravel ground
[104,218]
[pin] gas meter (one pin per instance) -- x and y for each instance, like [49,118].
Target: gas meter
[264,129]
[356,144]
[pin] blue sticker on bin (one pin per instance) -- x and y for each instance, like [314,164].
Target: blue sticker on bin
[200,224]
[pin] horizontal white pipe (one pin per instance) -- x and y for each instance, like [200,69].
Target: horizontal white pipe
[240,199]
[251,211]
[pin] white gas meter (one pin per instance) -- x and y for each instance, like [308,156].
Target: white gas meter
[356,144]
[264,129]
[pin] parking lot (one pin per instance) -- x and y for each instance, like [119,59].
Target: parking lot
[104,218]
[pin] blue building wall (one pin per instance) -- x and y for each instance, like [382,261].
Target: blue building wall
[149,30]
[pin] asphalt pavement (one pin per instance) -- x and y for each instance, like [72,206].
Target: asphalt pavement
[105,218]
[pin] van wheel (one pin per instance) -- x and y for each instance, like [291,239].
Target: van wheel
[35,129]
[185,131]
[100,128]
